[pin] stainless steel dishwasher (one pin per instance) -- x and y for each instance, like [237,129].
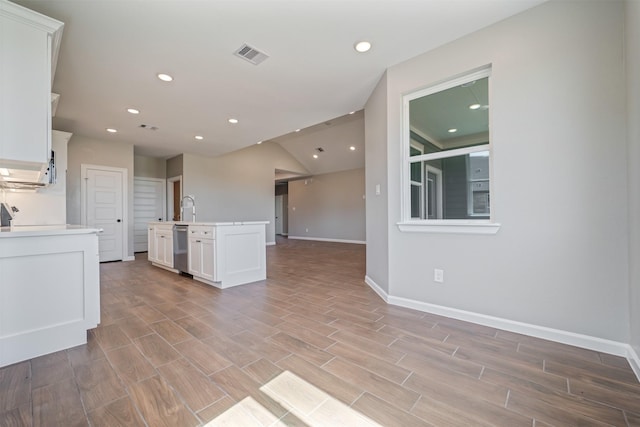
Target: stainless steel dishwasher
[181,248]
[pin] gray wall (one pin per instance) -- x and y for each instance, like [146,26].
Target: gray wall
[238,186]
[377,220]
[149,167]
[83,150]
[559,167]
[174,167]
[330,206]
[633,161]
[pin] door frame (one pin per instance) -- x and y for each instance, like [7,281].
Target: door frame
[170,181]
[125,202]
[279,198]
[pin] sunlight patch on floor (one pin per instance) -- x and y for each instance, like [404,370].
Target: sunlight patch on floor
[308,403]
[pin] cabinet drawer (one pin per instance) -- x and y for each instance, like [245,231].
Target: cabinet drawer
[201,231]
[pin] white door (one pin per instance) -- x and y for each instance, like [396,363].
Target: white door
[278,215]
[104,201]
[148,206]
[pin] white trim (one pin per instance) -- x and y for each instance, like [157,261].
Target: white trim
[449,226]
[322,239]
[271,243]
[477,74]
[376,288]
[129,258]
[125,200]
[438,173]
[405,137]
[564,337]
[456,152]
[37,20]
[634,361]
[416,145]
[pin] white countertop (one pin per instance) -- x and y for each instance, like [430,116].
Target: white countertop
[45,230]
[215,223]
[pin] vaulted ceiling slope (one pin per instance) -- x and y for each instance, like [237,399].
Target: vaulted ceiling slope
[112,52]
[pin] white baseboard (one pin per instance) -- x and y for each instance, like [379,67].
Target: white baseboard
[129,258]
[322,239]
[271,243]
[565,337]
[378,290]
[634,361]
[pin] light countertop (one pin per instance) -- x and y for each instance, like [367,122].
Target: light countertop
[215,223]
[45,230]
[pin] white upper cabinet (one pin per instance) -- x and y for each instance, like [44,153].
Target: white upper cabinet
[29,45]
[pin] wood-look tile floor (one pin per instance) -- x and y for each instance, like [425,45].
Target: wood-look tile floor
[311,345]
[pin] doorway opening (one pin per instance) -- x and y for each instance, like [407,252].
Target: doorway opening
[281,209]
[174,195]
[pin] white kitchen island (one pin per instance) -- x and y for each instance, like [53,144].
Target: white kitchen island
[49,289]
[221,254]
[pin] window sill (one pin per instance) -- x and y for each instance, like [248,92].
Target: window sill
[452,227]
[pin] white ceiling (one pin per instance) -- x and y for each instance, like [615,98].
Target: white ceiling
[112,50]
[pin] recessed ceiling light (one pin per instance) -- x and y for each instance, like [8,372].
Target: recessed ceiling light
[352,148]
[297,130]
[315,156]
[352,112]
[199,137]
[452,130]
[112,130]
[234,121]
[165,77]
[133,111]
[474,106]
[362,46]
[4,171]
[259,142]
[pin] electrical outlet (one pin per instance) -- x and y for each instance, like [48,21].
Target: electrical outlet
[438,275]
[306,230]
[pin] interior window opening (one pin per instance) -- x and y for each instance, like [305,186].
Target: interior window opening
[449,153]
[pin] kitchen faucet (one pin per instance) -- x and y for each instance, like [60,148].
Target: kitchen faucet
[193,207]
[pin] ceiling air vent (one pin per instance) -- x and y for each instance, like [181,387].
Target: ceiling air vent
[251,54]
[148,127]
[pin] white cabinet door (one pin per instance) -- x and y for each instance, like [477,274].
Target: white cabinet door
[195,256]
[151,241]
[201,257]
[163,242]
[167,259]
[160,247]
[25,84]
[164,248]
[208,259]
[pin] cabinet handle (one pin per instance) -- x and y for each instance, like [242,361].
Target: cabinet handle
[198,241]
